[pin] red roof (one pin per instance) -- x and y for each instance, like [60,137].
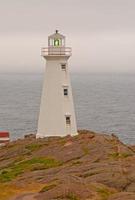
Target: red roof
[4,134]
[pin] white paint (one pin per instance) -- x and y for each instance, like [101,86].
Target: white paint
[4,139]
[54,105]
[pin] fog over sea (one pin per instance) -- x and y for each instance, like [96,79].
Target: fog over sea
[103,102]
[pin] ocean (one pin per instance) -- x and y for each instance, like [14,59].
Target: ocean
[103,102]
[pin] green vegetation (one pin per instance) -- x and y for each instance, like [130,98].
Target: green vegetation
[9,174]
[125,155]
[104,193]
[69,195]
[77,162]
[72,196]
[85,150]
[27,165]
[34,146]
[114,155]
[117,155]
[48,187]
[90,174]
[62,141]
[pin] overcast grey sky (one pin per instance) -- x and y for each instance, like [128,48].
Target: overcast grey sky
[101,33]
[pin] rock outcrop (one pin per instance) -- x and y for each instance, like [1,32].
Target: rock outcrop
[89,166]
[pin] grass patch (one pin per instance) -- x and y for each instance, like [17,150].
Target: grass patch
[29,165]
[9,175]
[104,193]
[125,155]
[34,146]
[71,196]
[114,155]
[62,141]
[85,150]
[77,162]
[92,173]
[48,187]
[117,155]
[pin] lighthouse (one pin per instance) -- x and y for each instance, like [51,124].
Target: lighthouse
[57,115]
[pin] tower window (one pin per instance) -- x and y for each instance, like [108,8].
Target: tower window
[65,91]
[63,66]
[68,120]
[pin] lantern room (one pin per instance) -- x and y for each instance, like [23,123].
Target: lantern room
[56,40]
[56,46]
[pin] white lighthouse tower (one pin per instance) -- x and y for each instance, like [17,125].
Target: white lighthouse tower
[57,116]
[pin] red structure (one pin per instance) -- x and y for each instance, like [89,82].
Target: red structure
[4,137]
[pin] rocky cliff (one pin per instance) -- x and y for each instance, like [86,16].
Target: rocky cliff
[89,166]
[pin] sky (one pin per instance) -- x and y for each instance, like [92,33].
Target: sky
[100,32]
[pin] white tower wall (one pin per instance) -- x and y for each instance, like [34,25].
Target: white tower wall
[57,115]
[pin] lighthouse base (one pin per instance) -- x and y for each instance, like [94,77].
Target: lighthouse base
[38,135]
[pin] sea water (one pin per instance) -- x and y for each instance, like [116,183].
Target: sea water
[103,103]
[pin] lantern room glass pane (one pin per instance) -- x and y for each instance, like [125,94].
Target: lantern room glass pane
[57,42]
